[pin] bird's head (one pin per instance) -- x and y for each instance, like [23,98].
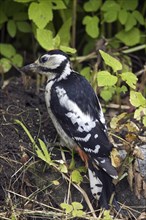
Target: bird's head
[53,63]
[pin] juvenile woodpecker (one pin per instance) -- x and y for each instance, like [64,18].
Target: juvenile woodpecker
[78,118]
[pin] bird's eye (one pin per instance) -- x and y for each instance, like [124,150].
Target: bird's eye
[43,59]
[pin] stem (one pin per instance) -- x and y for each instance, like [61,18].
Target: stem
[74,18]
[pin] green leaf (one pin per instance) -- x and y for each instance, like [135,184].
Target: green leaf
[3,17]
[110,5]
[77,205]
[91,24]
[107,93]
[144,120]
[45,151]
[24,26]
[130,4]
[139,112]
[121,89]
[45,38]
[11,28]
[56,41]
[138,16]
[76,177]
[123,16]
[78,213]
[111,61]
[7,50]
[68,49]
[17,60]
[40,13]
[130,23]
[130,38]
[63,168]
[137,99]
[107,215]
[130,78]
[92,5]
[64,32]
[104,78]
[58,4]
[110,16]
[5,65]
[86,73]
[68,208]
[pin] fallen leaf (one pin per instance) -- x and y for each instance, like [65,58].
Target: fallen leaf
[115,158]
[144,188]
[130,176]
[130,137]
[138,153]
[142,216]
[138,184]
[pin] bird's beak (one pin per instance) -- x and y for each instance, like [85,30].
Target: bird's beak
[31,68]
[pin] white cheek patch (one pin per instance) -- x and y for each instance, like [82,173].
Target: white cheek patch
[85,122]
[95,184]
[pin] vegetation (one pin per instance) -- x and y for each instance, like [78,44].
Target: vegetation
[104,38]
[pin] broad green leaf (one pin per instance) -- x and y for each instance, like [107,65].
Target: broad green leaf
[91,24]
[77,205]
[64,32]
[3,17]
[107,93]
[40,13]
[123,16]
[110,5]
[130,38]
[104,78]
[76,177]
[5,65]
[111,61]
[86,73]
[130,4]
[137,99]
[11,28]
[58,4]
[144,120]
[45,38]
[24,26]
[130,23]
[63,168]
[68,208]
[56,41]
[130,78]
[7,50]
[92,5]
[78,213]
[121,89]
[110,16]
[17,60]
[139,112]
[106,215]
[68,49]
[139,17]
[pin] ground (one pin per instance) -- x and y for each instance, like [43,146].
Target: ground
[27,187]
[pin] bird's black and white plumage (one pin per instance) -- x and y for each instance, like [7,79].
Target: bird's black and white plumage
[78,118]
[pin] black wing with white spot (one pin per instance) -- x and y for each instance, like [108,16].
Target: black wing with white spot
[78,111]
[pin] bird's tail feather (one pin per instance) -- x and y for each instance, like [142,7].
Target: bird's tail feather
[101,186]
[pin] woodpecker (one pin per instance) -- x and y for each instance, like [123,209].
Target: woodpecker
[78,118]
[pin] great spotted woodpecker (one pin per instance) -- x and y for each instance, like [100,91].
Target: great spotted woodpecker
[78,118]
